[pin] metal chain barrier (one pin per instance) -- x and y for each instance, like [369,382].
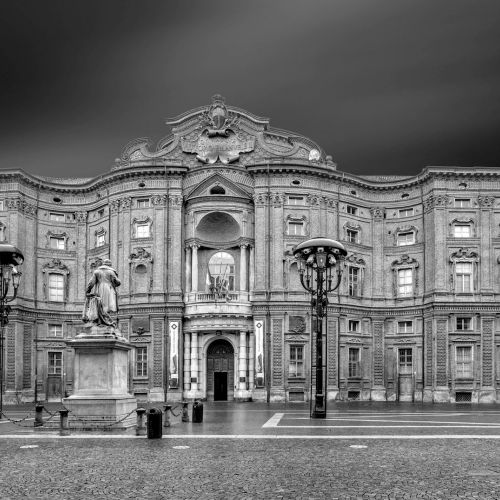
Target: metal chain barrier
[88,420]
[172,411]
[18,422]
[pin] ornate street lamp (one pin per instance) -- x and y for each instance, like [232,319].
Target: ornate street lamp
[317,260]
[10,258]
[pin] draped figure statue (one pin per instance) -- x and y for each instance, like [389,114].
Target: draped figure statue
[101,296]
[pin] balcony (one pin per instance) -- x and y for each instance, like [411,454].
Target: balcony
[203,303]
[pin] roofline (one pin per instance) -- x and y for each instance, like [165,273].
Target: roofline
[274,165]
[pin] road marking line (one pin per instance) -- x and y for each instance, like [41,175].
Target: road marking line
[339,419]
[385,426]
[274,420]
[258,436]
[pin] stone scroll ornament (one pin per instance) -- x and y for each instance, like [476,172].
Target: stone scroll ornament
[101,297]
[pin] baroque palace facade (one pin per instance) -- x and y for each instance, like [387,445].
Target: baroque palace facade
[200,229]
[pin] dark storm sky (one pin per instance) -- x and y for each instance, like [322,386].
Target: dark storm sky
[385,86]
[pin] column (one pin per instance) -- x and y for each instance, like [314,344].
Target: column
[194,361]
[194,269]
[251,271]
[187,361]
[188,269]
[243,268]
[251,361]
[243,361]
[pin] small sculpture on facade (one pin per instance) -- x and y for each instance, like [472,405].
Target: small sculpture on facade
[101,297]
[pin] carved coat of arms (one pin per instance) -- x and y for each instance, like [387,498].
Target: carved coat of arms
[217,140]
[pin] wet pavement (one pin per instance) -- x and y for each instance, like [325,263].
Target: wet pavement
[255,450]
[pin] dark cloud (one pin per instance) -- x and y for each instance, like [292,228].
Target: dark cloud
[385,87]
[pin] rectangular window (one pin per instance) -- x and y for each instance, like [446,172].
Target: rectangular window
[56,287]
[353,284]
[462,202]
[463,273]
[141,361]
[464,323]
[354,325]
[352,236]
[351,210]
[295,228]
[296,367]
[354,358]
[57,243]
[142,231]
[405,326]
[295,200]
[405,362]
[55,330]
[462,231]
[464,362]
[407,238]
[56,217]
[55,363]
[143,203]
[100,213]
[1,205]
[101,240]
[405,282]
[406,212]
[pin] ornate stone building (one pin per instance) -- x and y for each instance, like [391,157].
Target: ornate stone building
[201,229]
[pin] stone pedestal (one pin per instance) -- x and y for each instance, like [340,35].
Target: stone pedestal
[100,398]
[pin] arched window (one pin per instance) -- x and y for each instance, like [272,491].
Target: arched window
[220,273]
[217,190]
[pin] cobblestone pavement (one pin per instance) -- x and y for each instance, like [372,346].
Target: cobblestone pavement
[217,468]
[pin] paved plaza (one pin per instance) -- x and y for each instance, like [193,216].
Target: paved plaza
[250,450]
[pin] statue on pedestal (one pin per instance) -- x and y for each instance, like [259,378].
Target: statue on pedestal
[101,297]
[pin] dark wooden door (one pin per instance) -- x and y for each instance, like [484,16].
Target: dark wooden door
[220,386]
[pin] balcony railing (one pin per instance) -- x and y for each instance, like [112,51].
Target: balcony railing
[214,297]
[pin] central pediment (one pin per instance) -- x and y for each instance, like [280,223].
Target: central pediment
[220,135]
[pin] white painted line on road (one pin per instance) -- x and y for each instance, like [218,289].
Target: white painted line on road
[386,426]
[257,436]
[351,419]
[274,420]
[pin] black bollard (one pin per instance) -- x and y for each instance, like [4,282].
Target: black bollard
[38,415]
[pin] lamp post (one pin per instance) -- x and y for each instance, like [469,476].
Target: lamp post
[10,258]
[317,259]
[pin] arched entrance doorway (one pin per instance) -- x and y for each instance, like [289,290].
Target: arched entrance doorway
[220,371]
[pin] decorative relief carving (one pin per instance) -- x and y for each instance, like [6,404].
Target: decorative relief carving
[81,217]
[378,355]
[277,199]
[125,202]
[159,200]
[297,324]
[486,201]
[428,353]
[441,343]
[439,200]
[332,352]
[140,254]
[21,204]
[487,361]
[313,200]
[377,213]
[27,346]
[175,201]
[115,205]
[158,352]
[277,352]
[260,199]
